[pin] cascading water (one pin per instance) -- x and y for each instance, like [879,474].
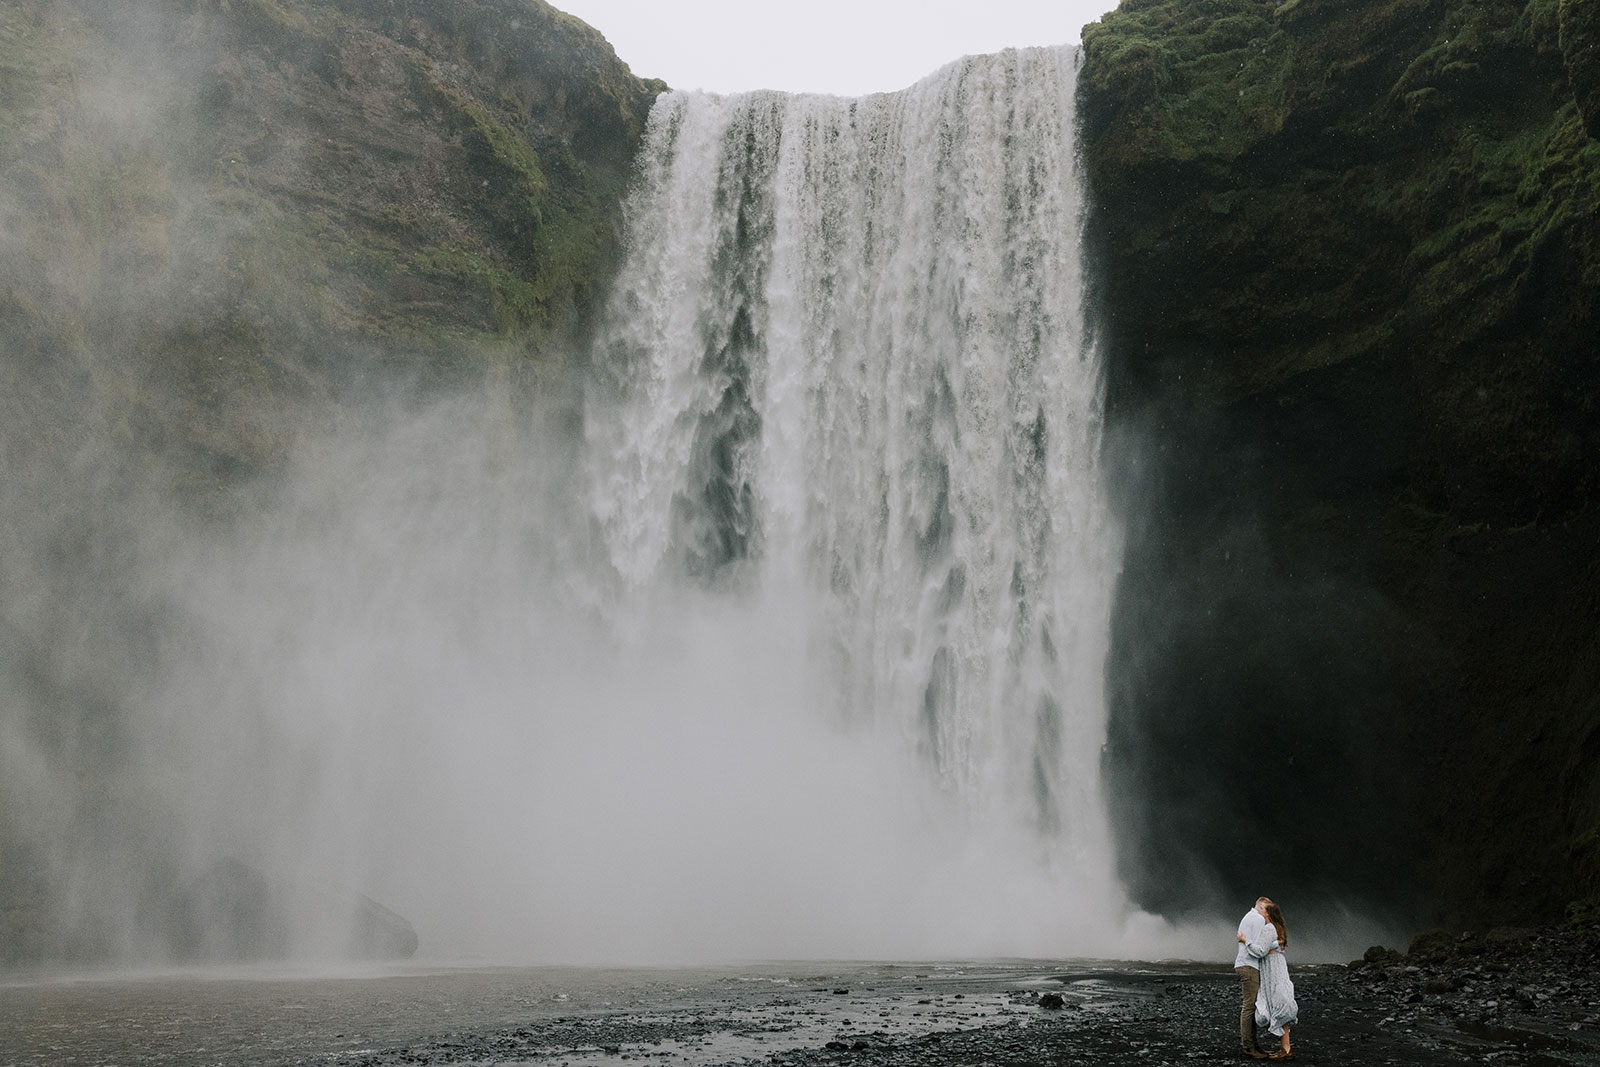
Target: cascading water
[846,386]
[797,654]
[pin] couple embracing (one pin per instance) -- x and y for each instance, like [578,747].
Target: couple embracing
[1267,994]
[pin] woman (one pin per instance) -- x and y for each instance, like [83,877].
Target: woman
[1275,1004]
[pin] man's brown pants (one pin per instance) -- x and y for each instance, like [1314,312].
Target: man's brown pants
[1249,985]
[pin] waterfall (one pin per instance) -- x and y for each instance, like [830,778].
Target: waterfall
[795,651]
[844,388]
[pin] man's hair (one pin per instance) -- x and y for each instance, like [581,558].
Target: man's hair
[1264,900]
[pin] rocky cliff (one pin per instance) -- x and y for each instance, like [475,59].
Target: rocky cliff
[247,202]
[224,223]
[1347,261]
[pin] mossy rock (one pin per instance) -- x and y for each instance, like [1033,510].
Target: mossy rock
[1431,944]
[1580,47]
[325,192]
[1346,257]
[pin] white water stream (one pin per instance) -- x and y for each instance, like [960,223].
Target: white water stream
[849,395]
[799,654]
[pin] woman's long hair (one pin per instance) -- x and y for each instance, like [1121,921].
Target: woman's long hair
[1275,917]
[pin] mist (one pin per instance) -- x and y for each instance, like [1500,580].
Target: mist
[297,630]
[1255,743]
[292,622]
[394,672]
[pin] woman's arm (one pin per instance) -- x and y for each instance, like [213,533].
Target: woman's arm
[1265,943]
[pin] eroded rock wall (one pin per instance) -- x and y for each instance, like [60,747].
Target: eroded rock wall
[1347,262]
[224,223]
[224,206]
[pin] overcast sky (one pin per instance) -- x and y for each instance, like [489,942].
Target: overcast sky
[849,47]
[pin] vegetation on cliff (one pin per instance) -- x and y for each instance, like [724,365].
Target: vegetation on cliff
[1347,265]
[241,204]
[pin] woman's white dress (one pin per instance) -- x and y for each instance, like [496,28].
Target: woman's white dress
[1275,1003]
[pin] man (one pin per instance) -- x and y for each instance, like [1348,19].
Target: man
[1249,972]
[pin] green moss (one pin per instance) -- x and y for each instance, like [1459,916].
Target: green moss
[1469,170]
[111,195]
[270,15]
[561,227]
[1580,50]
[29,64]
[494,141]
[1186,82]
[268,251]
[516,304]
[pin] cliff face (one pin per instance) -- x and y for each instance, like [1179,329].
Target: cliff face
[224,223]
[1347,260]
[225,206]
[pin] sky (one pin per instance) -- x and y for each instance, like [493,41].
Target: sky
[844,47]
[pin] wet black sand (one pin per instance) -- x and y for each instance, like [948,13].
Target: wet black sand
[1521,1002]
[1177,1014]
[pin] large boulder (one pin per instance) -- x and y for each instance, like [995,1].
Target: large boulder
[231,911]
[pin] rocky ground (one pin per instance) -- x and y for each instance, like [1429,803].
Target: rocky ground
[1518,998]
[1521,998]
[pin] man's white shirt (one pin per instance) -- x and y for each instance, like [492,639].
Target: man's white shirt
[1250,926]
